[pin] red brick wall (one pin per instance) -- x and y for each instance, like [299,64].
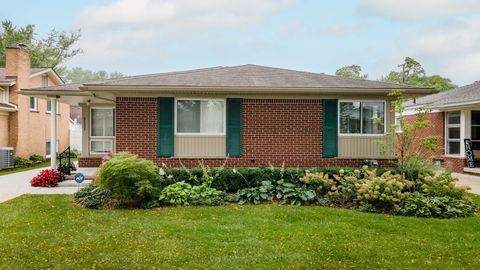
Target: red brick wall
[454,164]
[436,128]
[274,131]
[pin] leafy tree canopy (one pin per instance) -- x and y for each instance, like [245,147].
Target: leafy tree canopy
[352,71]
[77,75]
[412,73]
[50,51]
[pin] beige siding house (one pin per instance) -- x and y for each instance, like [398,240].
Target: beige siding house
[25,121]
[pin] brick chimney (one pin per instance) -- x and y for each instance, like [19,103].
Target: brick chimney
[17,64]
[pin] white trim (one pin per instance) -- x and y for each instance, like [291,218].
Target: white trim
[101,138]
[447,140]
[224,100]
[50,111]
[30,104]
[361,122]
[48,70]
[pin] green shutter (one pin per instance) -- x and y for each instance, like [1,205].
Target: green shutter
[165,134]
[234,127]
[330,128]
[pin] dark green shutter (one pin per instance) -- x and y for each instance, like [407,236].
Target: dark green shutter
[234,127]
[330,128]
[165,109]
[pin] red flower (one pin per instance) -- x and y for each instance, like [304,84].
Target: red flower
[46,178]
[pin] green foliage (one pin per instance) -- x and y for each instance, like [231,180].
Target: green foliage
[129,178]
[78,75]
[318,181]
[288,193]
[93,196]
[410,145]
[256,195]
[412,73]
[36,159]
[352,71]
[204,195]
[176,194]
[421,205]
[51,51]
[22,162]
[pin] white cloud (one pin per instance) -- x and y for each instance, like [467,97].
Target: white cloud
[451,48]
[342,28]
[417,9]
[132,31]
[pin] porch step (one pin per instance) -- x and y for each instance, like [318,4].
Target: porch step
[474,171]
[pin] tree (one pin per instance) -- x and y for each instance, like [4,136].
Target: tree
[412,73]
[352,71]
[77,75]
[50,51]
[410,145]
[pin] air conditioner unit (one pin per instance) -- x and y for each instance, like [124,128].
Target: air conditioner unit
[6,157]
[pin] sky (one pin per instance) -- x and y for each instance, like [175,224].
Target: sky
[150,36]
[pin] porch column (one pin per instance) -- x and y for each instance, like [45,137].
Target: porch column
[53,133]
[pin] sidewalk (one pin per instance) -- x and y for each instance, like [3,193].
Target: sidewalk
[16,184]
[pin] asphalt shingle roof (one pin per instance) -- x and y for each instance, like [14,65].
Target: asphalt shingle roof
[252,76]
[465,94]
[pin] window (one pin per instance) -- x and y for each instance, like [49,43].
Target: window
[47,149]
[200,117]
[3,95]
[44,81]
[102,130]
[452,133]
[49,106]
[33,104]
[475,136]
[362,117]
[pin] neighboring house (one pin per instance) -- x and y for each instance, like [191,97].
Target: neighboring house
[254,115]
[455,116]
[25,121]
[76,128]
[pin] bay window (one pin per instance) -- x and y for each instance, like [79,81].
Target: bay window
[361,117]
[452,133]
[102,130]
[202,117]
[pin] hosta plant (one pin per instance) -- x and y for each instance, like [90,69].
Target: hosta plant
[176,194]
[256,195]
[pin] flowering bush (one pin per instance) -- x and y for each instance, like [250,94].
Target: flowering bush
[383,191]
[319,181]
[46,178]
[443,185]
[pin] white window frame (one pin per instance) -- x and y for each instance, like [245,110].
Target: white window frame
[35,109]
[50,111]
[447,140]
[3,95]
[202,134]
[49,156]
[101,138]
[385,115]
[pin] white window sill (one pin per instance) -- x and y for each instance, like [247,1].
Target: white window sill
[200,134]
[359,135]
[454,156]
[33,110]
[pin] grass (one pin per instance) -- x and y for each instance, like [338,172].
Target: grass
[22,169]
[50,231]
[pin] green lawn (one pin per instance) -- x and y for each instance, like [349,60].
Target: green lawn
[22,169]
[50,231]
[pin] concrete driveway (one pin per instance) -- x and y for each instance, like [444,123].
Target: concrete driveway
[16,184]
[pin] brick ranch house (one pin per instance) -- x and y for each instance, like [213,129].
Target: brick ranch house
[454,117]
[253,114]
[25,121]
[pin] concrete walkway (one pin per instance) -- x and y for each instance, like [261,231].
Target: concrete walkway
[16,184]
[469,180]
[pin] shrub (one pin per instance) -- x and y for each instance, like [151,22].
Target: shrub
[46,178]
[256,195]
[36,159]
[443,185]
[22,162]
[203,195]
[421,205]
[176,194]
[129,178]
[93,196]
[382,191]
[318,181]
[289,193]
